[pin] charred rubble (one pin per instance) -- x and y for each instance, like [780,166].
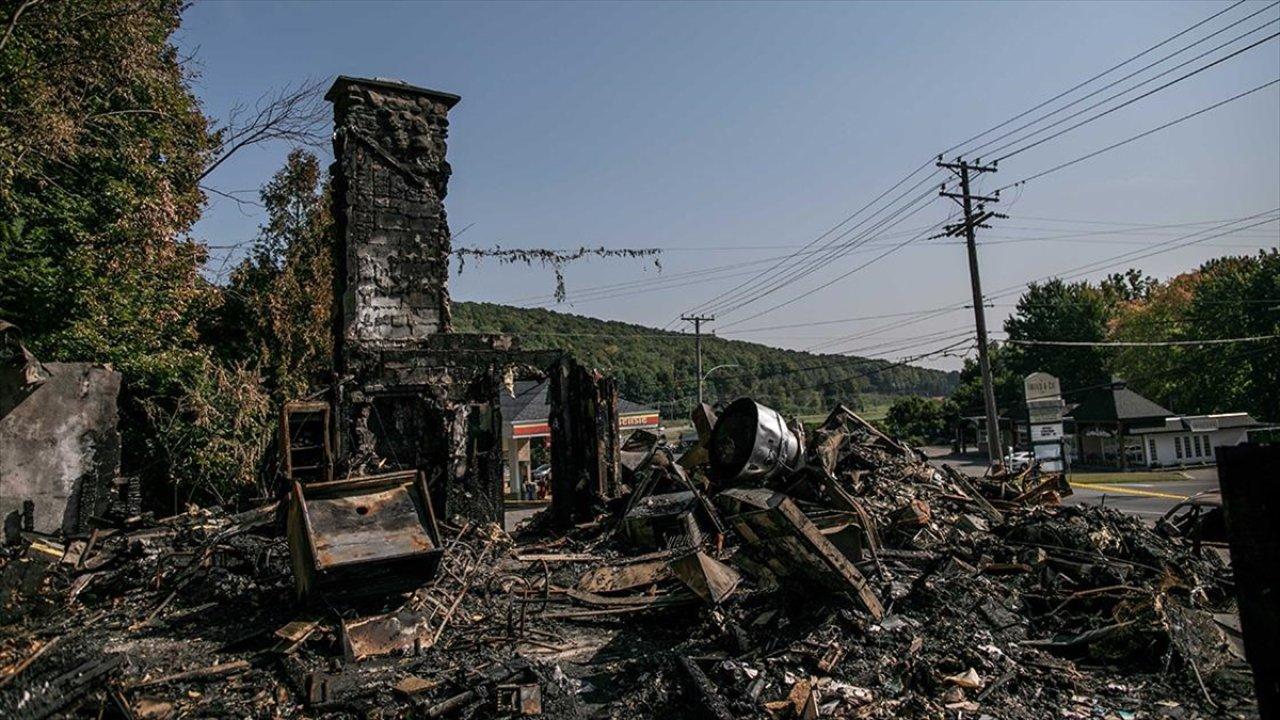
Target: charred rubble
[764,573]
[769,571]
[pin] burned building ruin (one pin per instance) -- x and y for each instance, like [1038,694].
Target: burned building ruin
[770,570]
[411,394]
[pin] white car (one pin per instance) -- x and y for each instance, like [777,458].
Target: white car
[1020,461]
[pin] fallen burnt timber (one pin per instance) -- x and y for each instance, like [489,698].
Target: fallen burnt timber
[833,575]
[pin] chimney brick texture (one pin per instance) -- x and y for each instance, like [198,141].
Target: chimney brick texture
[390,178]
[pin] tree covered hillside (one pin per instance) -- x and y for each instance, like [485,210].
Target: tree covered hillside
[658,368]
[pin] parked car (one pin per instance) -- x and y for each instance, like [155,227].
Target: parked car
[1020,461]
[542,472]
[1198,520]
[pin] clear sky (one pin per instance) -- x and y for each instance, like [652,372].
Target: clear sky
[731,133]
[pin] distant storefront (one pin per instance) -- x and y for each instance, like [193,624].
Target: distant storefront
[1115,426]
[526,424]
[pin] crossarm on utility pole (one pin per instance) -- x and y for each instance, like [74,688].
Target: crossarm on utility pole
[971,221]
[697,321]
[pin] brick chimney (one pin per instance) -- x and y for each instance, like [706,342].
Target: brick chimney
[390,177]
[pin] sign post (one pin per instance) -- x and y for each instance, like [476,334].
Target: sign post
[1044,415]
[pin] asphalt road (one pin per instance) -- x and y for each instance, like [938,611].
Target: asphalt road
[1147,500]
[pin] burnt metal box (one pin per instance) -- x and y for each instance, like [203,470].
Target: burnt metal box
[669,520]
[363,536]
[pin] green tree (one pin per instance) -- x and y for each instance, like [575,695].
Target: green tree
[917,420]
[967,397]
[1129,286]
[1057,310]
[1229,297]
[101,146]
[278,305]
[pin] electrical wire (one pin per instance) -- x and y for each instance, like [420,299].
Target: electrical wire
[791,271]
[1139,136]
[837,226]
[1122,105]
[1155,343]
[824,262]
[751,298]
[1099,76]
[992,141]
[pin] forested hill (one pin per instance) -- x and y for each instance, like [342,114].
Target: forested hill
[653,367]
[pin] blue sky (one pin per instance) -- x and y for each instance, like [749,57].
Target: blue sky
[729,133]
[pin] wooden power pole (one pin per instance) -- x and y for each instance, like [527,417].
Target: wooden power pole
[976,218]
[697,321]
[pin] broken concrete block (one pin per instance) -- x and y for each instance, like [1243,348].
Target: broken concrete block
[59,444]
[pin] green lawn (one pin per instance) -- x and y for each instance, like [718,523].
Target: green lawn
[871,412]
[1115,478]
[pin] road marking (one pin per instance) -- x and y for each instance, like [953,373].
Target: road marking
[1128,490]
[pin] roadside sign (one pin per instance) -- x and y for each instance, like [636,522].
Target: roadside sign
[1044,413]
[1040,385]
[1051,432]
[1041,412]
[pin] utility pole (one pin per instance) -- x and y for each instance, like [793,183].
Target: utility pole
[697,321]
[976,218]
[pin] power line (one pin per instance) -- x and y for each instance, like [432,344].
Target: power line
[1106,263]
[829,282]
[848,378]
[900,363]
[792,272]
[721,301]
[1234,301]
[691,277]
[836,321]
[1100,75]
[1130,256]
[818,239]
[1124,104]
[1157,343]
[973,151]
[1129,223]
[702,275]
[845,361]
[887,327]
[725,309]
[1139,136]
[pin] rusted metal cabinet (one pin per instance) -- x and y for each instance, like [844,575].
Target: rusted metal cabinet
[364,535]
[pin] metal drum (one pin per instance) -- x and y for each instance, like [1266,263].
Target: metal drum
[750,443]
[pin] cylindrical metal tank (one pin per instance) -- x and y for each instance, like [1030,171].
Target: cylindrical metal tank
[750,443]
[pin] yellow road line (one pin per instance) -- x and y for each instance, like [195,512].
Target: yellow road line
[1128,491]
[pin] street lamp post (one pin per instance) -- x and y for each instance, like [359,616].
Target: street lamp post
[705,374]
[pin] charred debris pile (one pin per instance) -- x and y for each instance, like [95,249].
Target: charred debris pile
[763,573]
